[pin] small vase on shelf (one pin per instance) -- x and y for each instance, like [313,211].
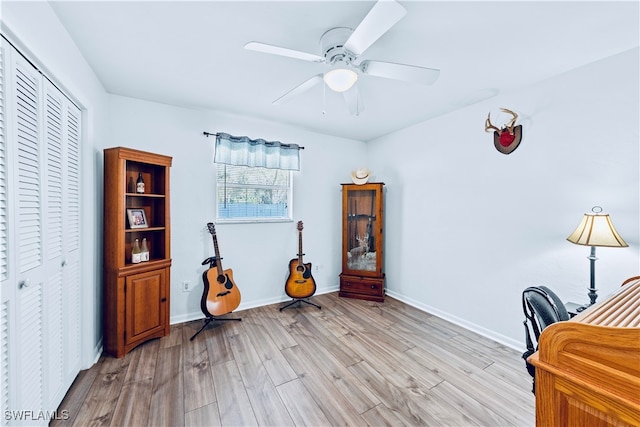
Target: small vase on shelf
[136,253]
[144,254]
[140,183]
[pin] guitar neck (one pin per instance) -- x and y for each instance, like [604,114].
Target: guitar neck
[217,251]
[300,247]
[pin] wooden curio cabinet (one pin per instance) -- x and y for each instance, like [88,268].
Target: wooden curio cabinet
[362,242]
[136,296]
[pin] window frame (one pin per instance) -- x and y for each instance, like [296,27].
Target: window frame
[254,219]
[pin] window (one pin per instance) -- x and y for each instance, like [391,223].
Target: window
[253,194]
[254,178]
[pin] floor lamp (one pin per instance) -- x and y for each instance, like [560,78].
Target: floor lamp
[596,229]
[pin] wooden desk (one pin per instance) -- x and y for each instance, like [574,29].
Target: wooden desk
[588,368]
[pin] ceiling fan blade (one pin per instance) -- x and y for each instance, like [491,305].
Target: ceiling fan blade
[383,16]
[303,87]
[407,73]
[283,51]
[353,100]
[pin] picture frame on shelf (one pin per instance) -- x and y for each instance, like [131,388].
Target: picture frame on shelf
[137,218]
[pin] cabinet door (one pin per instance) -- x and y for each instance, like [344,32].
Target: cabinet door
[145,305]
[362,230]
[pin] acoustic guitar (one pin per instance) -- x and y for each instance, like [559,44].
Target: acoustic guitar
[300,283]
[221,295]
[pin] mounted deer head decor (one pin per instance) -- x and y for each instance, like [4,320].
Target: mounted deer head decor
[507,138]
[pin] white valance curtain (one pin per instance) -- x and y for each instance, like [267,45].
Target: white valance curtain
[242,151]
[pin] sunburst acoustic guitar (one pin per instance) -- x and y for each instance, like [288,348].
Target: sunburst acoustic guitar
[300,283]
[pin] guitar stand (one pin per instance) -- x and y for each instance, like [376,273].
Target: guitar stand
[299,300]
[210,319]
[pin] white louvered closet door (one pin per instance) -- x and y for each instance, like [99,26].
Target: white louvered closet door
[25,92]
[72,292]
[53,256]
[41,209]
[62,237]
[6,294]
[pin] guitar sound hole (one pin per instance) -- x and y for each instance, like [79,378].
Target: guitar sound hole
[300,268]
[222,279]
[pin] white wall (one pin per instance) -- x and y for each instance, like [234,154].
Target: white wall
[258,254]
[468,228]
[34,29]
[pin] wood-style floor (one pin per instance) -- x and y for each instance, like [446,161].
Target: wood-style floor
[352,363]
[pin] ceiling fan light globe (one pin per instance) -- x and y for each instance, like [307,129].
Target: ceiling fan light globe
[340,79]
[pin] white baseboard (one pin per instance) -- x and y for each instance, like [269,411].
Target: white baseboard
[487,333]
[196,315]
[504,340]
[97,352]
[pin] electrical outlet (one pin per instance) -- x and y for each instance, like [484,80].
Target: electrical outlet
[186,286]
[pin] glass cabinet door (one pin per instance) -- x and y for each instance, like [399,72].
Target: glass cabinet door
[362,229]
[361,226]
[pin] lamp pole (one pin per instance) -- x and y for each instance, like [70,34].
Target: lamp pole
[593,295]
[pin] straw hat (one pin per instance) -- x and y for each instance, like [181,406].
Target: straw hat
[360,176]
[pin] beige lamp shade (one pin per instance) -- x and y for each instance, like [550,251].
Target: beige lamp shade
[596,229]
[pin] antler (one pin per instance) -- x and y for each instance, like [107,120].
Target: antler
[512,122]
[508,127]
[488,126]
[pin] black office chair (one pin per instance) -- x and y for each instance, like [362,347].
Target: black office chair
[541,307]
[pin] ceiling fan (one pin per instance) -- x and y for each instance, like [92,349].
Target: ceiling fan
[341,48]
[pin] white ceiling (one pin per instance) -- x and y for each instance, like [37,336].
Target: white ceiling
[191,53]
